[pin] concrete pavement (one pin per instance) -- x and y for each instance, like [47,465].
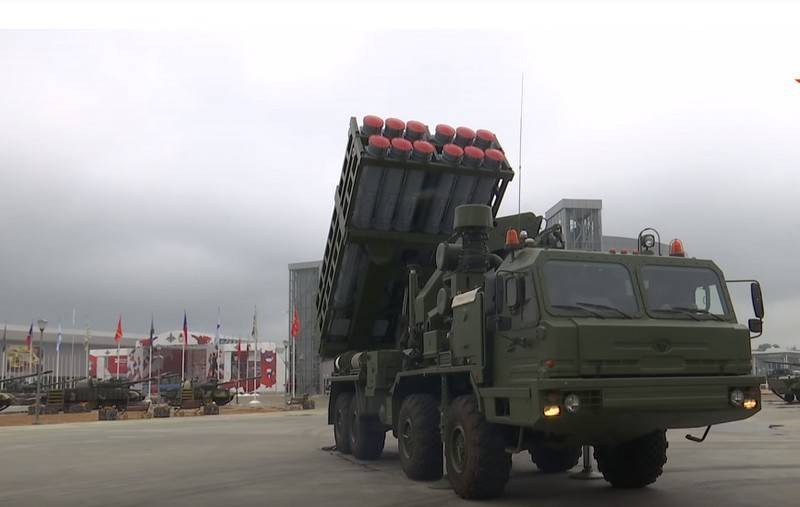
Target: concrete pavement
[277,459]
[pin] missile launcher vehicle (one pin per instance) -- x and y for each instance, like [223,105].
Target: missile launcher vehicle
[471,336]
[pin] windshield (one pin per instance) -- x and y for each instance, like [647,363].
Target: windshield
[683,291]
[599,289]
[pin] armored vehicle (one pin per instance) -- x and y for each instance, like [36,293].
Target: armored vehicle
[15,391]
[196,393]
[784,381]
[94,394]
[471,337]
[6,400]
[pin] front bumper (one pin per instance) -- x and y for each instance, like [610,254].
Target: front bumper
[615,409]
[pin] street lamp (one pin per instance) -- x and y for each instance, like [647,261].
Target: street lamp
[42,324]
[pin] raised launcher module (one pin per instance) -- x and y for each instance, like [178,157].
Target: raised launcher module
[400,185]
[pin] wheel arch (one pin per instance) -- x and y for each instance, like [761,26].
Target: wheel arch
[444,386]
[338,388]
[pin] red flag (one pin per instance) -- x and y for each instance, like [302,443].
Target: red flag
[118,334]
[295,324]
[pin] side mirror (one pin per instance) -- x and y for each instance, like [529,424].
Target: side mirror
[755,325]
[758,299]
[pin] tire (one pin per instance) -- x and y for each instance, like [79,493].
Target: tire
[367,434]
[554,460]
[419,439]
[341,422]
[477,462]
[633,464]
[788,397]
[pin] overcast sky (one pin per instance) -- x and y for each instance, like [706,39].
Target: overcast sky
[159,165]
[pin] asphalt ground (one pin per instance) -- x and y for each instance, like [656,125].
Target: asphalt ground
[278,460]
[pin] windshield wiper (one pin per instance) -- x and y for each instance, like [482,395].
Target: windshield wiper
[701,312]
[604,307]
[673,309]
[576,307]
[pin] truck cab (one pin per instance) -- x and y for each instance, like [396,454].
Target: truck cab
[599,347]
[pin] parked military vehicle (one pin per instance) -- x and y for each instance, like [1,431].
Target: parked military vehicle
[784,381]
[195,393]
[15,391]
[472,337]
[6,400]
[91,394]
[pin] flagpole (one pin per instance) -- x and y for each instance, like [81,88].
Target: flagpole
[86,349]
[294,367]
[72,367]
[5,346]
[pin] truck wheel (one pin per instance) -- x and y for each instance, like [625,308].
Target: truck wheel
[477,462]
[554,460]
[367,435]
[633,464]
[788,397]
[419,439]
[341,422]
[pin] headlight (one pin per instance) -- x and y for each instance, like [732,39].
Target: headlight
[750,404]
[572,403]
[737,397]
[552,410]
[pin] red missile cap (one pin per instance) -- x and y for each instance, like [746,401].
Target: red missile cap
[445,130]
[495,155]
[379,142]
[452,150]
[465,132]
[473,152]
[400,144]
[486,135]
[395,124]
[415,126]
[423,146]
[373,121]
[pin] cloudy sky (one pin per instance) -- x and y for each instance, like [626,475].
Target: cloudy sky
[180,158]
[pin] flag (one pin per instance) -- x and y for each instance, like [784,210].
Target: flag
[185,329]
[29,338]
[295,324]
[254,331]
[118,334]
[5,340]
[152,331]
[58,340]
[216,365]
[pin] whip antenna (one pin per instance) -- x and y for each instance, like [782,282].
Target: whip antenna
[519,182]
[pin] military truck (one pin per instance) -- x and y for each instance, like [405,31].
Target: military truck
[471,337]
